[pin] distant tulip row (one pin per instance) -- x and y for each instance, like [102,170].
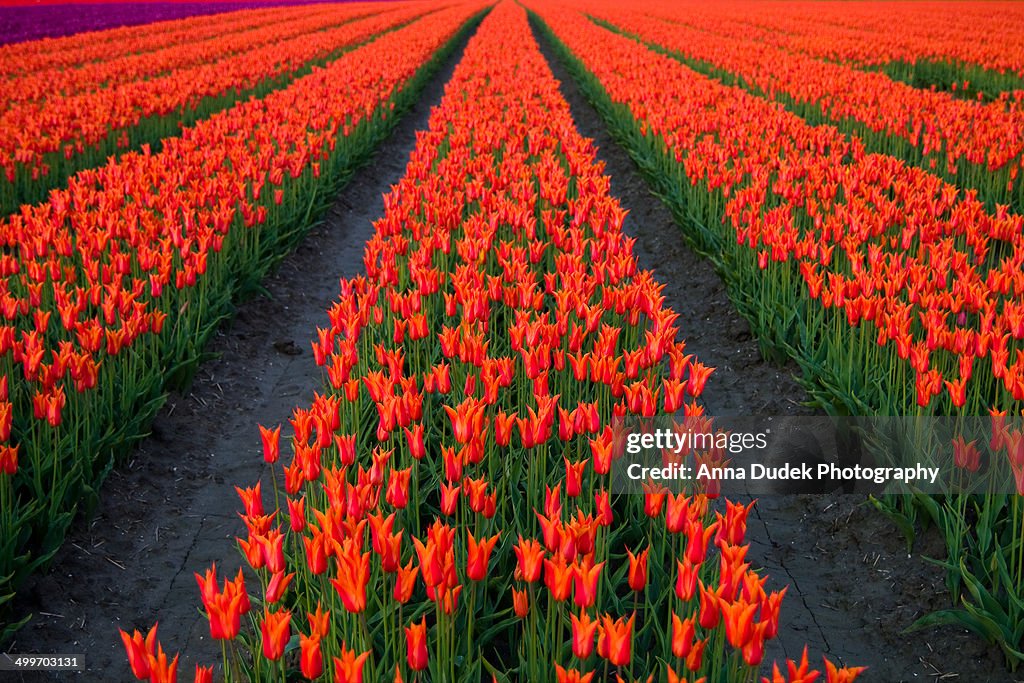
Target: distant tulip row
[446,512]
[109,290]
[80,49]
[54,26]
[957,40]
[225,36]
[971,144]
[42,142]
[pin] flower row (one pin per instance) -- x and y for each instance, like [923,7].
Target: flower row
[987,37]
[234,33]
[83,47]
[52,23]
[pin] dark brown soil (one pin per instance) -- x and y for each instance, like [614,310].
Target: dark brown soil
[171,511]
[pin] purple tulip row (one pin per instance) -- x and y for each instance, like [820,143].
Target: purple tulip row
[31,22]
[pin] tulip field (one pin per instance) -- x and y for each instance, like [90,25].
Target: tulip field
[442,507]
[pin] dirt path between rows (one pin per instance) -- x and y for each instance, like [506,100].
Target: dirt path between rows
[853,586]
[172,510]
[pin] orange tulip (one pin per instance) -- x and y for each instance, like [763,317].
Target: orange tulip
[348,668]
[530,559]
[615,641]
[686,579]
[835,674]
[139,651]
[520,602]
[583,630]
[572,675]
[416,645]
[637,569]
[311,659]
[405,582]
[682,635]
[353,576]
[203,674]
[478,556]
[710,607]
[271,439]
[276,630]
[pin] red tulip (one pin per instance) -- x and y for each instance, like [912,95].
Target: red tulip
[348,668]
[637,569]
[160,670]
[271,443]
[139,650]
[616,640]
[572,675]
[276,630]
[416,645]
[683,631]
[478,556]
[311,658]
[520,602]
[583,630]
[353,576]
[530,558]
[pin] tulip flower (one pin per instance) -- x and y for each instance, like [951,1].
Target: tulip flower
[520,602]
[835,674]
[353,576]
[585,579]
[686,579]
[478,556]
[710,607]
[696,656]
[583,630]
[602,502]
[530,557]
[139,651]
[277,586]
[416,645]
[9,459]
[449,498]
[616,639]
[252,500]
[311,659]
[271,439]
[574,477]
[637,569]
[276,630]
[398,488]
[572,675]
[160,670]
[739,622]
[558,577]
[348,668]
[405,582]
[797,673]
